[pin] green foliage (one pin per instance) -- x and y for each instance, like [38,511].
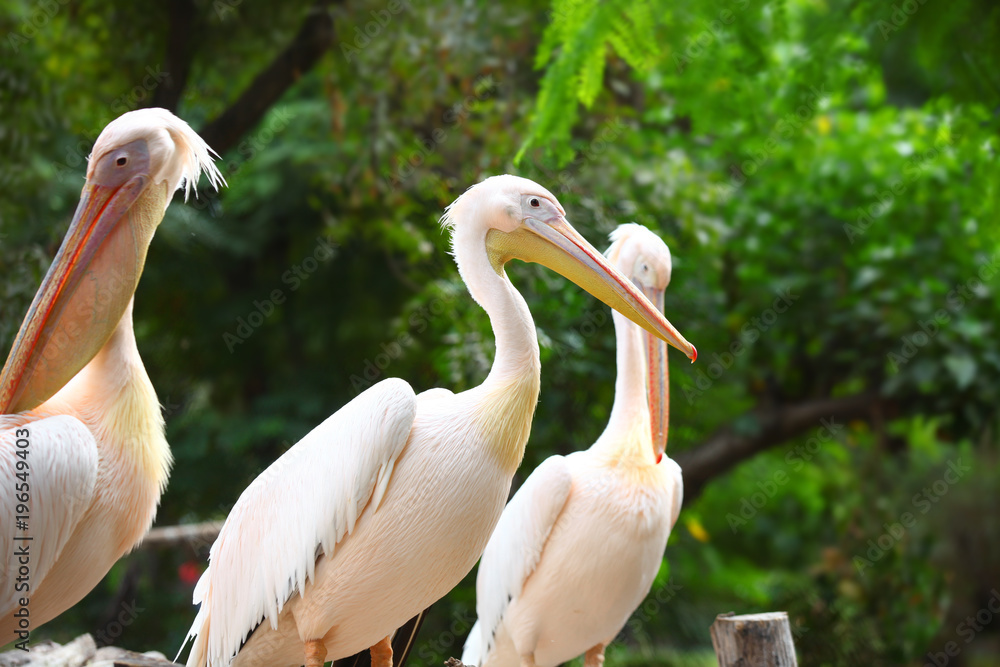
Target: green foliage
[582,31]
[759,139]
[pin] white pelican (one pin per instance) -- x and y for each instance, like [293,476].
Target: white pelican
[82,442]
[577,548]
[386,505]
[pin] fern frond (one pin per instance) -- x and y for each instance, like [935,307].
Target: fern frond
[592,75]
[574,50]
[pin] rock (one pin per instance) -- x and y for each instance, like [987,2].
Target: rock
[77,653]
[81,652]
[119,657]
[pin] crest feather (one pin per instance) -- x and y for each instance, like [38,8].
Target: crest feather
[193,156]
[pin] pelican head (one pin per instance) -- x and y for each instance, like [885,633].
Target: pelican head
[515,218]
[645,259]
[137,162]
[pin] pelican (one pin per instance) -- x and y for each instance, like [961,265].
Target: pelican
[577,548]
[82,440]
[385,506]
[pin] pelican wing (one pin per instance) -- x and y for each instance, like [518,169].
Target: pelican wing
[303,505]
[516,546]
[56,477]
[677,498]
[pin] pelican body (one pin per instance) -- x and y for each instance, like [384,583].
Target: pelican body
[578,546]
[80,425]
[384,507]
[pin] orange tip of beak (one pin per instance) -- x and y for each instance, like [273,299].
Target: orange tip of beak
[694,357]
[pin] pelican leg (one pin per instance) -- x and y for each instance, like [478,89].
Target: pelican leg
[594,657]
[315,653]
[382,653]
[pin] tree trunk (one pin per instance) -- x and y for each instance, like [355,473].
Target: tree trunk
[766,427]
[754,640]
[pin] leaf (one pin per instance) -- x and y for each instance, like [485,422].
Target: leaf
[592,76]
[697,530]
[574,49]
[963,369]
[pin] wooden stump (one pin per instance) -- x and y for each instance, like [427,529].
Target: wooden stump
[754,640]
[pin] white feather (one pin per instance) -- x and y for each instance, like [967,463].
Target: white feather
[182,155]
[62,464]
[99,457]
[578,547]
[416,535]
[472,652]
[517,544]
[336,470]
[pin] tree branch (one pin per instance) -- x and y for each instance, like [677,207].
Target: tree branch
[314,38]
[723,450]
[771,426]
[180,53]
[194,534]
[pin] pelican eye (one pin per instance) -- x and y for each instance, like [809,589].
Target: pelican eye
[534,202]
[122,161]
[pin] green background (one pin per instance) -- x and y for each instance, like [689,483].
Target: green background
[842,154]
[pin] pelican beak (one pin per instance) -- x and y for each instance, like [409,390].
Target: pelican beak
[555,244]
[79,304]
[657,380]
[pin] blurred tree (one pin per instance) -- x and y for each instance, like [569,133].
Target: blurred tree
[824,173]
